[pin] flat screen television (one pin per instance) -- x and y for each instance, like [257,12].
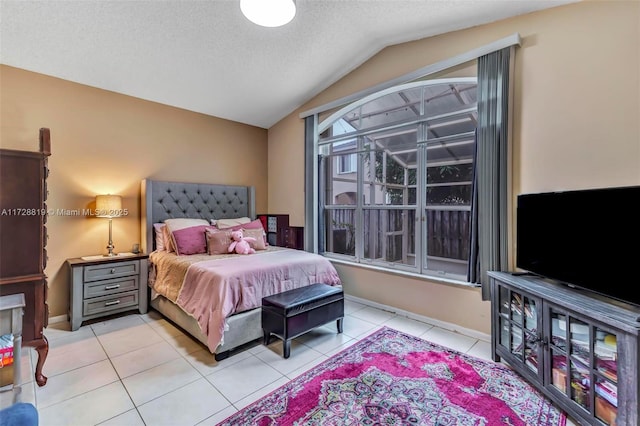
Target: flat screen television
[584,238]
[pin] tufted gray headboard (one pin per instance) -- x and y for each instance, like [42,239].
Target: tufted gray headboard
[162,200]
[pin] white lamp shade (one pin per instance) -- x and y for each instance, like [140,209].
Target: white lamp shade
[108,205]
[268,13]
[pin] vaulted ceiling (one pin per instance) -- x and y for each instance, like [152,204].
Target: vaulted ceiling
[204,56]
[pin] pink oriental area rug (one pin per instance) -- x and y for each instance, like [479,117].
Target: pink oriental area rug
[391,378]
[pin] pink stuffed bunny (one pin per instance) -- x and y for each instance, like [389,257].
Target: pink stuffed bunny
[241,243]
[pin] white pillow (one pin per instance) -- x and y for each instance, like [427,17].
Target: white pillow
[228,223]
[181,223]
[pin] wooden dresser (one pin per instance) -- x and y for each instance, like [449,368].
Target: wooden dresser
[23,237]
[279,233]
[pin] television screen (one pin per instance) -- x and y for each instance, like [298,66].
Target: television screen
[586,238]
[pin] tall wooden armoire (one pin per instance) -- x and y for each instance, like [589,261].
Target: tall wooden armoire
[23,237]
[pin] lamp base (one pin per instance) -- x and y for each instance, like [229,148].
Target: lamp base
[110,245]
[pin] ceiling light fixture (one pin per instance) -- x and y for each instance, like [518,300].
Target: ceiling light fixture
[269,13]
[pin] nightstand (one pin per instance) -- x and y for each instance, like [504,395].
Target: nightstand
[103,286]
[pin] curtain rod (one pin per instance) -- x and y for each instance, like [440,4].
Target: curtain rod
[512,40]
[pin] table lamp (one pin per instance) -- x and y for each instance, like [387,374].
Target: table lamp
[109,206]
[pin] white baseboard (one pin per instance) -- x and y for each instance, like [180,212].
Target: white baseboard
[442,324]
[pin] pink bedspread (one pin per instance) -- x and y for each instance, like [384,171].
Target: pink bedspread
[214,289]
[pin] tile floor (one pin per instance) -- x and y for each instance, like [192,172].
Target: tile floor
[142,370]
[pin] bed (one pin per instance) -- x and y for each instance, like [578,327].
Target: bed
[216,298]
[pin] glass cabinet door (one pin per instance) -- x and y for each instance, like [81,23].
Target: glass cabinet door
[582,354]
[605,352]
[579,363]
[532,338]
[519,327]
[558,351]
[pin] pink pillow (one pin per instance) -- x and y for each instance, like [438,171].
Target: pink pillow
[178,224]
[190,240]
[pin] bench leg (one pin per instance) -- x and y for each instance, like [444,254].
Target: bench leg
[222,355]
[339,325]
[265,337]
[286,348]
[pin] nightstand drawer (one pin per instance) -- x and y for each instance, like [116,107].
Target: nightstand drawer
[110,303]
[105,287]
[110,270]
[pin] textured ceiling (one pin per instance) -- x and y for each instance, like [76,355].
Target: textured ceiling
[204,56]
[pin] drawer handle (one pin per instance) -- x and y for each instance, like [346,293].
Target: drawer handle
[114,302]
[113,270]
[111,287]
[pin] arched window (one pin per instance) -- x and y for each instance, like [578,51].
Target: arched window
[395,178]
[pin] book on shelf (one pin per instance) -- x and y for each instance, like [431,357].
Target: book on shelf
[559,342]
[608,369]
[580,352]
[579,364]
[609,374]
[559,362]
[6,360]
[559,379]
[605,411]
[579,393]
[604,351]
[608,392]
[576,327]
[557,329]
[6,350]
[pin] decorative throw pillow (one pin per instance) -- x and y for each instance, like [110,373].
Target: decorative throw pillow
[187,235]
[258,234]
[190,240]
[168,240]
[218,241]
[228,223]
[158,229]
[254,224]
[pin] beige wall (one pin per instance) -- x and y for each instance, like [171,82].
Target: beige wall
[576,116]
[103,142]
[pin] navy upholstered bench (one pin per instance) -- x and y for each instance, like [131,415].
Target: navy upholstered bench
[292,313]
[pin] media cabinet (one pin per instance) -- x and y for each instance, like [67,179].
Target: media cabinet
[578,348]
